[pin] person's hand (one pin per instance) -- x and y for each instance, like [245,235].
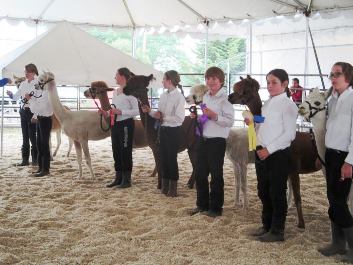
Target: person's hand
[116,111]
[247,121]
[158,115]
[346,171]
[34,120]
[210,114]
[145,109]
[193,115]
[262,153]
[27,96]
[9,93]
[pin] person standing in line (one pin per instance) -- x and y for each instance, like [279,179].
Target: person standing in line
[339,160]
[42,112]
[171,114]
[29,132]
[122,132]
[212,145]
[272,156]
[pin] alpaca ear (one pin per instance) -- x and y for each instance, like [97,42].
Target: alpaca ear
[241,78]
[248,76]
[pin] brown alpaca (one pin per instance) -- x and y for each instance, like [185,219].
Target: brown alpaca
[304,158]
[137,86]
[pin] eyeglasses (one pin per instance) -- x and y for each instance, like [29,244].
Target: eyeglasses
[334,75]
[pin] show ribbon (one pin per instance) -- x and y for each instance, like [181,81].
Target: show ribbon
[251,129]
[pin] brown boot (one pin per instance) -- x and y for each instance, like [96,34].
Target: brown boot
[165,186]
[173,188]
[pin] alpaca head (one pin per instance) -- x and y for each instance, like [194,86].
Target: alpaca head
[18,80]
[196,94]
[98,89]
[44,79]
[244,91]
[137,86]
[314,103]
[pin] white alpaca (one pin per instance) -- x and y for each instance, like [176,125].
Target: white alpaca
[237,149]
[314,109]
[80,126]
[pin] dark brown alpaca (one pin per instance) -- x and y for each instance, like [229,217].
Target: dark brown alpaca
[304,158]
[137,86]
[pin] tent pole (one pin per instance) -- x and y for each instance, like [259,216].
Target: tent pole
[250,48]
[206,45]
[306,52]
[133,42]
[2,120]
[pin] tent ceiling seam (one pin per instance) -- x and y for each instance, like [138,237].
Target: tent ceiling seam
[129,13]
[45,9]
[192,10]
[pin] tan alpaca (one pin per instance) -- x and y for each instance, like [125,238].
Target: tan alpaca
[80,126]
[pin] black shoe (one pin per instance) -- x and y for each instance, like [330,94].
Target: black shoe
[35,172]
[196,211]
[22,164]
[271,237]
[117,180]
[260,231]
[212,213]
[42,173]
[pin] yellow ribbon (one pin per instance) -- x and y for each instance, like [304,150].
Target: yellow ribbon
[252,137]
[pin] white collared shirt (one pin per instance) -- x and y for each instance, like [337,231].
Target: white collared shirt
[219,104]
[127,104]
[339,126]
[40,104]
[25,88]
[172,106]
[279,127]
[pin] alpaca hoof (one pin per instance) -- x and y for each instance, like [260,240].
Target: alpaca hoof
[190,186]
[301,225]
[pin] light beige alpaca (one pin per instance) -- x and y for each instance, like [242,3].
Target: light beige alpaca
[80,126]
[237,148]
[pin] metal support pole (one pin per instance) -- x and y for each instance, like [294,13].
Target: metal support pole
[78,98]
[133,43]
[306,71]
[228,76]
[2,120]
[206,46]
[250,49]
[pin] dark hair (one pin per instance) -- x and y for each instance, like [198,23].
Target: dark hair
[174,77]
[347,70]
[214,71]
[282,76]
[125,72]
[31,68]
[296,80]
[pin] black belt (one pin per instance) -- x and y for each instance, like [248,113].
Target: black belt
[335,151]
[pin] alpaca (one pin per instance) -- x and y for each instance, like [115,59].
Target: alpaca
[304,158]
[237,149]
[99,89]
[137,86]
[56,127]
[80,126]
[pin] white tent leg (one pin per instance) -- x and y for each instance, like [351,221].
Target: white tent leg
[2,120]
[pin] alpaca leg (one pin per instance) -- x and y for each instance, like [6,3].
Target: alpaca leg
[50,145]
[87,157]
[58,141]
[71,142]
[294,178]
[192,156]
[159,167]
[79,158]
[244,183]
[154,172]
[289,194]
[236,169]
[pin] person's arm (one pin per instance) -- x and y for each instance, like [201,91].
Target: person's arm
[226,117]
[179,112]
[134,111]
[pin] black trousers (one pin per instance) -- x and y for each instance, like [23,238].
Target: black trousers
[122,135]
[169,138]
[43,136]
[337,191]
[210,159]
[272,175]
[29,133]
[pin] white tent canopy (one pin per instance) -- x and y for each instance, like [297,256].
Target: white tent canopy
[137,13]
[74,56]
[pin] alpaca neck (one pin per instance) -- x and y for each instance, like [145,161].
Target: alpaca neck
[58,108]
[319,127]
[104,100]
[255,105]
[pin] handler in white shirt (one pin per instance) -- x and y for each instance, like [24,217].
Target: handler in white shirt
[339,160]
[171,114]
[274,137]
